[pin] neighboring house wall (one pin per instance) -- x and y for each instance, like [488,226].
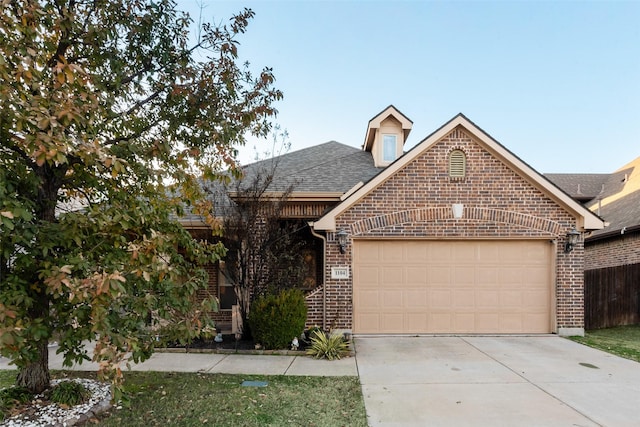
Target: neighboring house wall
[611,252]
[416,203]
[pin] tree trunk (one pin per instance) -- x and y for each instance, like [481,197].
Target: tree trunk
[35,376]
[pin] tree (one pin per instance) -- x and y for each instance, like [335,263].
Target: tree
[108,119]
[264,253]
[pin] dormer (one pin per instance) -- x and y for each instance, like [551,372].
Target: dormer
[386,135]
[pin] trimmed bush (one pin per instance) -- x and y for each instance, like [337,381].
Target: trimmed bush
[276,319]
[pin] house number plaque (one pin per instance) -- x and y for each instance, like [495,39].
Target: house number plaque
[339,272]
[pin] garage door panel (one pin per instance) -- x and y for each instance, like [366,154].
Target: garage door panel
[535,298]
[464,253]
[440,323]
[464,276]
[464,298]
[416,252]
[368,321]
[452,286]
[367,276]
[416,322]
[463,322]
[511,299]
[511,323]
[393,322]
[438,275]
[538,274]
[416,299]
[393,276]
[440,299]
[392,300]
[368,298]
[416,275]
[486,276]
[487,322]
[488,299]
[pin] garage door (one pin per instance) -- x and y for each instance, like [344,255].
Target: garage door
[452,286]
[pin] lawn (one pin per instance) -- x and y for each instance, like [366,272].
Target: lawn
[623,341]
[180,399]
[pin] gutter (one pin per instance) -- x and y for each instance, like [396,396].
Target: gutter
[614,233]
[324,273]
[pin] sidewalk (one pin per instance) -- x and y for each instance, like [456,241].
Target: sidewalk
[223,363]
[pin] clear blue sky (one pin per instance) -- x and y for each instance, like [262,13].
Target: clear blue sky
[557,83]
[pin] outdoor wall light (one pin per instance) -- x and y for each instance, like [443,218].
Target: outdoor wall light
[572,239]
[342,240]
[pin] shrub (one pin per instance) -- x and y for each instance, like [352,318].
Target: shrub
[69,393]
[327,346]
[276,319]
[12,396]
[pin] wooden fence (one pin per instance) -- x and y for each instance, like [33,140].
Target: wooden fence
[612,296]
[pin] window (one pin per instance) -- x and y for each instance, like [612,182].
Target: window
[226,293]
[388,148]
[457,164]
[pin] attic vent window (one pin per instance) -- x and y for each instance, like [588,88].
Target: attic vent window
[457,164]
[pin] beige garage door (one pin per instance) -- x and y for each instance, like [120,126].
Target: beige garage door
[452,286]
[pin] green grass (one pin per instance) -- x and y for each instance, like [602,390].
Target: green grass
[7,378]
[190,399]
[623,341]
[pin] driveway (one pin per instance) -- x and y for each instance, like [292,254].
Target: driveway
[495,381]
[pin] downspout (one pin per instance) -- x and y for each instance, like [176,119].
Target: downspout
[324,274]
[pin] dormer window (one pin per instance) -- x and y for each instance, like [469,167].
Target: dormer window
[389,148]
[386,135]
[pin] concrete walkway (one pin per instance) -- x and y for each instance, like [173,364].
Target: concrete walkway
[495,381]
[454,381]
[223,363]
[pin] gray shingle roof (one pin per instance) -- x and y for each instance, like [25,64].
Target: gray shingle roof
[331,167]
[581,186]
[619,203]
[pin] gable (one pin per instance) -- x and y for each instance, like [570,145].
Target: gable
[493,171]
[619,201]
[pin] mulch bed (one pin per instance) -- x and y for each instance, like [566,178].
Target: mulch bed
[228,345]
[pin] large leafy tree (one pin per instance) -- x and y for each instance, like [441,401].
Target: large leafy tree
[108,119]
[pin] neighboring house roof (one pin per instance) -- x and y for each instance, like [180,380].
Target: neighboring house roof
[330,169]
[586,220]
[619,202]
[583,187]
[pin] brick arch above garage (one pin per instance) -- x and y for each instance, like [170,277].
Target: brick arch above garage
[494,219]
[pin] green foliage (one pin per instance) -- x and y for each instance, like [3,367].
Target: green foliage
[327,346]
[108,122]
[15,394]
[69,393]
[12,396]
[276,319]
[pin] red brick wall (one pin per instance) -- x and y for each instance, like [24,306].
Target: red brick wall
[212,290]
[314,307]
[621,250]
[498,203]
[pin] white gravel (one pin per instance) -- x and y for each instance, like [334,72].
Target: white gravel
[53,415]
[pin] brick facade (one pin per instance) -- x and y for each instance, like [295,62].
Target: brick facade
[221,317]
[612,252]
[416,202]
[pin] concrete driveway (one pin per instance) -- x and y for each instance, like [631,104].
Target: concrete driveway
[495,381]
